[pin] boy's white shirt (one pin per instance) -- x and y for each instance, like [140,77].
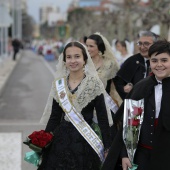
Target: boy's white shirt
[158,97]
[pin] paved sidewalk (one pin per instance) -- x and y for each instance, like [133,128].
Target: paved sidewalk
[12,150]
[6,68]
[11,157]
[13,133]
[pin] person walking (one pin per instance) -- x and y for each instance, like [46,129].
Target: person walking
[16,47]
[153,147]
[123,47]
[105,63]
[106,67]
[136,67]
[75,93]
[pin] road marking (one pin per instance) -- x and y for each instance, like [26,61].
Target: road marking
[10,151]
[48,67]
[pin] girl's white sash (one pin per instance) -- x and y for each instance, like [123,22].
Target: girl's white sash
[77,119]
[112,105]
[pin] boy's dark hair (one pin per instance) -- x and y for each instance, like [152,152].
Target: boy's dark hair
[159,47]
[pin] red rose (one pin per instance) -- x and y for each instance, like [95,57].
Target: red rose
[40,138]
[133,122]
[42,132]
[49,136]
[35,141]
[33,135]
[45,136]
[137,111]
[42,144]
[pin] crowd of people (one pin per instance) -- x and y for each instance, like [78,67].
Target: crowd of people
[47,47]
[86,105]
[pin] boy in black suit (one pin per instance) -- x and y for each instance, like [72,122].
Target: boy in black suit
[154,142]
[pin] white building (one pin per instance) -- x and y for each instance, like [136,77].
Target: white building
[45,10]
[54,17]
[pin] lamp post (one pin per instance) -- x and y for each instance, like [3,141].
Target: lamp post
[5,22]
[17,19]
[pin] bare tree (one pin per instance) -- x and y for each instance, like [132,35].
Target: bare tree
[27,26]
[123,23]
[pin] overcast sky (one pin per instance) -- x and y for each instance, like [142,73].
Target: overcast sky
[33,6]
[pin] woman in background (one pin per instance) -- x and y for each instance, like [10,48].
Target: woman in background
[122,47]
[105,63]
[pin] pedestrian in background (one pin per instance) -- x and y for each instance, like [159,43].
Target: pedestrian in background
[123,47]
[16,47]
[136,67]
[105,63]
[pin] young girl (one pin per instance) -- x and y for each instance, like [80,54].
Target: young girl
[74,95]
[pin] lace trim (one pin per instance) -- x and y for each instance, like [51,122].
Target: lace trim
[82,96]
[107,71]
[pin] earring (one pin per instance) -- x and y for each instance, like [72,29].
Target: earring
[100,53]
[85,69]
[67,71]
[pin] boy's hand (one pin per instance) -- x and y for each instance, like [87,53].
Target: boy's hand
[126,163]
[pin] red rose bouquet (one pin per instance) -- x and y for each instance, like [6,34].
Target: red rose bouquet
[37,141]
[132,120]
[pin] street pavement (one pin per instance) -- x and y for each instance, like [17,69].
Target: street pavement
[6,68]
[13,132]
[8,153]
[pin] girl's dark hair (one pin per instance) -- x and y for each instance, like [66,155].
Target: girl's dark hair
[99,42]
[75,44]
[84,39]
[159,47]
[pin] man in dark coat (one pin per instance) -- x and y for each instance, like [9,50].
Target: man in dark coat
[136,67]
[16,46]
[154,142]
